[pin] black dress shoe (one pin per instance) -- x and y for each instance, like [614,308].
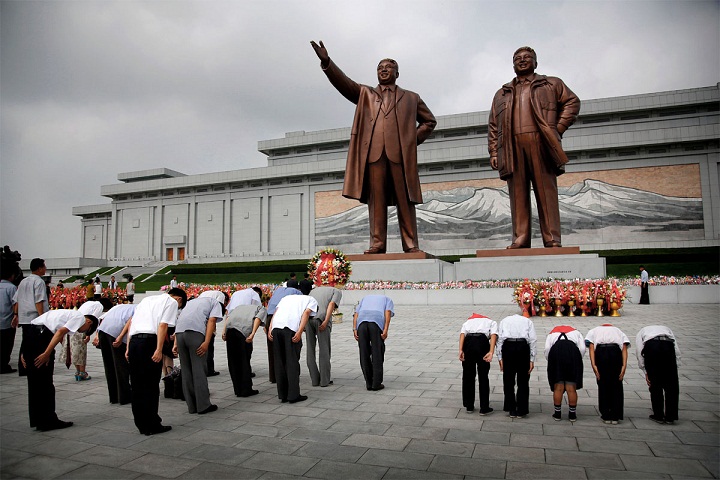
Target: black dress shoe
[8,370]
[379,387]
[212,374]
[329,383]
[209,409]
[249,394]
[301,398]
[161,429]
[252,375]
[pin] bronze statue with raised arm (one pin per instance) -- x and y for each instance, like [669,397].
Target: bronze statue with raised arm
[381,170]
[527,120]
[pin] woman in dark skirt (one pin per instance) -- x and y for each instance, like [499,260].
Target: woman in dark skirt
[564,349]
[608,347]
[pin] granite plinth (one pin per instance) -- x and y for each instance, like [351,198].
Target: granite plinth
[587,265]
[407,270]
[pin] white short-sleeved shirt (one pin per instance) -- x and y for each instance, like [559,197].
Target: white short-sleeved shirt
[152,311]
[574,336]
[243,297]
[115,319]
[480,324]
[517,326]
[55,319]
[648,333]
[290,311]
[606,334]
[194,317]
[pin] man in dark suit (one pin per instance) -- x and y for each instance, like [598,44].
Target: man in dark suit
[381,170]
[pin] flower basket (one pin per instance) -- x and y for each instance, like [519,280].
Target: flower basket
[329,267]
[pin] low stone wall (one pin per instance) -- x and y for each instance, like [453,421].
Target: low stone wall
[666,294]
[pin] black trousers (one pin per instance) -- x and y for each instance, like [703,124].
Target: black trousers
[239,353]
[611,401]
[516,365]
[271,355]
[7,340]
[475,348]
[145,377]
[23,343]
[372,353]
[661,368]
[117,369]
[41,390]
[211,355]
[287,363]
[644,294]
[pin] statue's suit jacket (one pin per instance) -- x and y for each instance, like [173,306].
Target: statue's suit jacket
[414,120]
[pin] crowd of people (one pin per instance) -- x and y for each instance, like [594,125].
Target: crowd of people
[138,344]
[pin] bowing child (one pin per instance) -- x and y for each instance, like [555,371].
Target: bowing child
[564,349]
[478,336]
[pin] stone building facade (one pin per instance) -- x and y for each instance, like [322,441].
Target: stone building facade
[643,172]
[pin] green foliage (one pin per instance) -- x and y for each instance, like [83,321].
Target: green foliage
[275,266]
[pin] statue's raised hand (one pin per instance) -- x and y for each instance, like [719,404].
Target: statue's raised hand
[321,52]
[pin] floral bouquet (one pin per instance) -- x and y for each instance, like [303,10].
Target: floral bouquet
[524,296]
[615,293]
[542,297]
[329,267]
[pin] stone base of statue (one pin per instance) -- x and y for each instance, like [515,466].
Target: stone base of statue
[400,267]
[513,264]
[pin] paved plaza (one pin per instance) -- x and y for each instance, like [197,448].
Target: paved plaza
[416,428]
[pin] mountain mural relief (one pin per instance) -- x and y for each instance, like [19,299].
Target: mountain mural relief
[592,212]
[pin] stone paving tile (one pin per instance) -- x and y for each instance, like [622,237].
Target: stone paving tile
[376,441]
[565,430]
[287,464]
[215,437]
[107,456]
[424,432]
[672,466]
[568,443]
[270,445]
[468,466]
[338,453]
[275,431]
[161,465]
[388,458]
[210,470]
[583,459]
[40,466]
[10,456]
[93,472]
[699,452]
[410,420]
[533,471]
[435,447]
[164,446]
[359,427]
[405,474]
[602,474]
[478,436]
[643,435]
[115,439]
[319,436]
[333,470]
[509,453]
[691,438]
[515,426]
[603,445]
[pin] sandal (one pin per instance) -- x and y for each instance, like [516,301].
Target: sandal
[81,376]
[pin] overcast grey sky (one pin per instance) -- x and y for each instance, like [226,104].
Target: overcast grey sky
[90,89]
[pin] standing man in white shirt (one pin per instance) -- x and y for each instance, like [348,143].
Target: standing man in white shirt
[31,301]
[658,356]
[318,332]
[44,333]
[644,289]
[174,282]
[148,329]
[478,337]
[285,333]
[516,349]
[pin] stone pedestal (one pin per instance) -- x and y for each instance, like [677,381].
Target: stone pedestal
[534,263]
[400,267]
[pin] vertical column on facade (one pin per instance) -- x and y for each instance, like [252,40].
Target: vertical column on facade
[113,234]
[158,218]
[265,222]
[192,227]
[226,224]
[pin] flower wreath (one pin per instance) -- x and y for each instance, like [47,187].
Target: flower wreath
[329,267]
